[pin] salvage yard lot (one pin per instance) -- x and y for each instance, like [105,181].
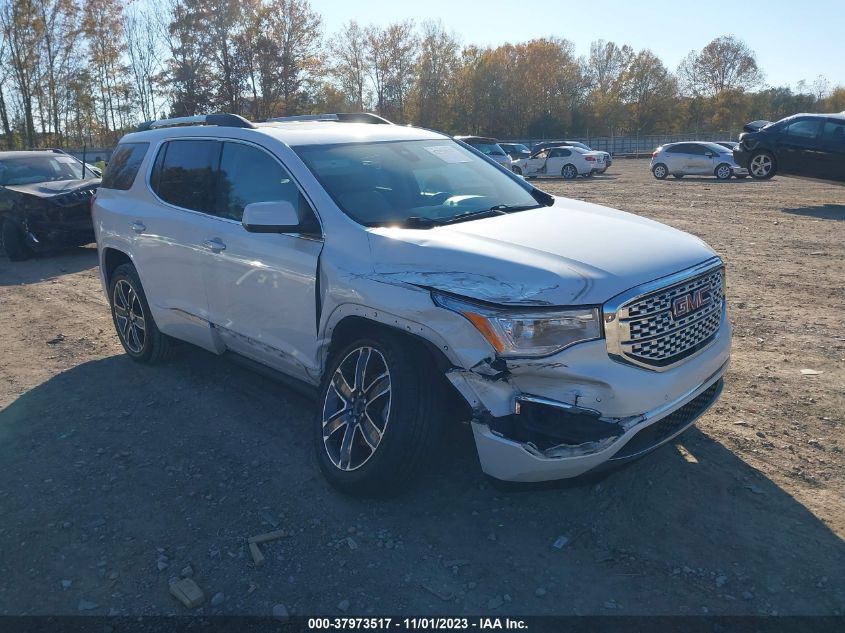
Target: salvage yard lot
[117,477]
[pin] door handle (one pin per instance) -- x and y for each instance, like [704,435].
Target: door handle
[138,227]
[214,245]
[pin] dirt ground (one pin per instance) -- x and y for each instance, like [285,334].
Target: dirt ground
[115,477]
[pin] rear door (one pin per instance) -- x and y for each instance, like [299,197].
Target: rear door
[168,237]
[832,160]
[261,287]
[798,148]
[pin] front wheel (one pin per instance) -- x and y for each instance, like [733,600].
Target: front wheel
[14,241]
[569,172]
[660,171]
[379,416]
[723,171]
[761,166]
[138,333]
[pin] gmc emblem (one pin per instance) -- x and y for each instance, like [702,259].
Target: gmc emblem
[689,303]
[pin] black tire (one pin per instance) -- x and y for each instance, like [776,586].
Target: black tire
[516,170]
[154,347]
[660,171]
[409,429]
[762,165]
[14,241]
[569,171]
[677,176]
[723,171]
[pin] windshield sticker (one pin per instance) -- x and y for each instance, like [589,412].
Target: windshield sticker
[447,153]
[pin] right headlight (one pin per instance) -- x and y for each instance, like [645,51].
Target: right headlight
[527,333]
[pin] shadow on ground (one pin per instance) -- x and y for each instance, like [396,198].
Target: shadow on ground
[821,212]
[118,476]
[46,267]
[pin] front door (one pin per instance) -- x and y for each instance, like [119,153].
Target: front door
[537,163]
[832,165]
[261,287]
[798,148]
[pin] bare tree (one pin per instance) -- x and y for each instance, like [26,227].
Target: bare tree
[436,67]
[348,65]
[22,28]
[391,57]
[143,46]
[726,63]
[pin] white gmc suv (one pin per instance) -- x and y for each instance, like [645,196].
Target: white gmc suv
[407,279]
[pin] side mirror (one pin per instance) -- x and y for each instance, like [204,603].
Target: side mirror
[277,216]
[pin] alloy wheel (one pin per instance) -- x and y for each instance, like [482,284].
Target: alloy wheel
[356,409]
[724,172]
[761,165]
[129,316]
[660,171]
[569,172]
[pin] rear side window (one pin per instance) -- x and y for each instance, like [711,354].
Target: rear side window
[678,149]
[247,175]
[185,172]
[834,133]
[124,164]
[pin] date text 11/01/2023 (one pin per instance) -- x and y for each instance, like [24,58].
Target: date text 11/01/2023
[424,624]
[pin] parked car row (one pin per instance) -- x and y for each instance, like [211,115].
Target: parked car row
[549,159]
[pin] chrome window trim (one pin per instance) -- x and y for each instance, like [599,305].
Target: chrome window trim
[611,313]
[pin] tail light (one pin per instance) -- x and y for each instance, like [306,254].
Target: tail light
[654,153]
[591,159]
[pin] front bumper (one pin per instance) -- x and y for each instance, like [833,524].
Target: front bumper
[509,460]
[742,157]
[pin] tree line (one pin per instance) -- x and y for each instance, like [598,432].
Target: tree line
[76,73]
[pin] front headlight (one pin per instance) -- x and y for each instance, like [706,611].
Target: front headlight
[532,332]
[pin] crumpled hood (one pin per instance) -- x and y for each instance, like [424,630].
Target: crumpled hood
[54,187]
[568,254]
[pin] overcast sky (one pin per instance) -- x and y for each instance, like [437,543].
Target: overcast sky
[792,42]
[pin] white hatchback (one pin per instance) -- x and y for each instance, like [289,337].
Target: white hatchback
[560,162]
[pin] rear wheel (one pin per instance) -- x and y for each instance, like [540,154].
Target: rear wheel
[516,170]
[761,165]
[14,241]
[133,321]
[379,416]
[569,172]
[660,171]
[723,171]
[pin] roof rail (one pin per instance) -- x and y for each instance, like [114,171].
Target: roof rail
[340,117]
[221,119]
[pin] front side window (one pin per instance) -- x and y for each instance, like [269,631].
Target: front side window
[123,167]
[248,174]
[397,182]
[803,128]
[184,173]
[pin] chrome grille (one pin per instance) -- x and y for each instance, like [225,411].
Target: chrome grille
[643,330]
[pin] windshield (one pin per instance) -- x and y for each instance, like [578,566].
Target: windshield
[491,149]
[25,170]
[412,182]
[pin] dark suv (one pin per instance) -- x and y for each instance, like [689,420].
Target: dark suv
[811,145]
[45,202]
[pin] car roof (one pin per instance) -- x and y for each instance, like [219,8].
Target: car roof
[294,133]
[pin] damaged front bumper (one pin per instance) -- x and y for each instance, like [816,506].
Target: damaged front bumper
[605,440]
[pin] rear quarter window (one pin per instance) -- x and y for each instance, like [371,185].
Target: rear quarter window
[124,164]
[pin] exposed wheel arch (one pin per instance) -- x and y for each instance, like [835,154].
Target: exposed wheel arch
[112,258]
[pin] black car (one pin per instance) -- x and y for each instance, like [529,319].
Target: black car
[45,199]
[810,145]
